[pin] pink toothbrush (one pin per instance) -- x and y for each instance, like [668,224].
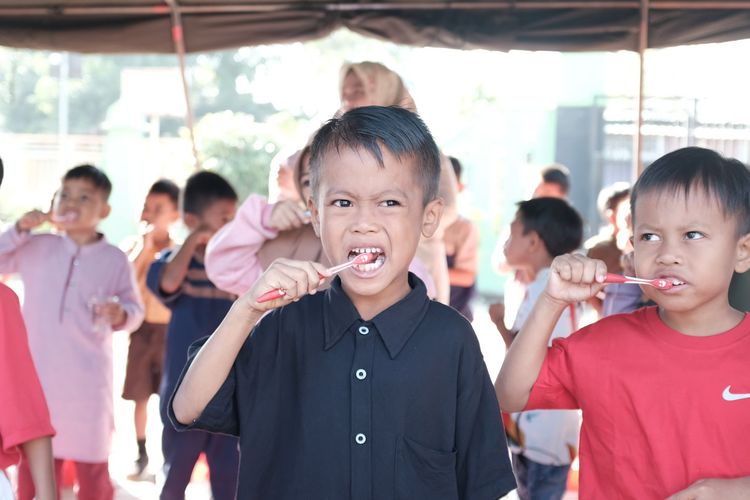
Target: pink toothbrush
[659,283]
[363,258]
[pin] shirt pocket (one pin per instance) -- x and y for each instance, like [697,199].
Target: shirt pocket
[423,472]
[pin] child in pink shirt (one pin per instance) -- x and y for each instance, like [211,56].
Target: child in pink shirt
[78,289]
[261,232]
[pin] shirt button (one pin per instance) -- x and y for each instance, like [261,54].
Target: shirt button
[360,438]
[361,374]
[363,330]
[75,262]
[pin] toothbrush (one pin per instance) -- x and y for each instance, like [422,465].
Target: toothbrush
[363,258]
[67,217]
[659,283]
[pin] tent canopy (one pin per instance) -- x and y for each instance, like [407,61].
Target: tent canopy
[142,26]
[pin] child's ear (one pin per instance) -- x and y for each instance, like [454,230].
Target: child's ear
[742,263]
[431,217]
[104,212]
[535,242]
[314,216]
[175,216]
[191,221]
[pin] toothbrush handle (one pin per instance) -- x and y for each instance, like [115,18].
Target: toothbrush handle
[619,278]
[277,293]
[615,278]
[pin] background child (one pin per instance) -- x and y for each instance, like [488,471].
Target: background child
[179,279]
[554,182]
[370,389]
[146,350]
[545,442]
[77,289]
[24,421]
[262,232]
[664,389]
[462,250]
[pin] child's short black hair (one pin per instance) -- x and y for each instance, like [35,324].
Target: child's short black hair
[457,168]
[558,224]
[167,187]
[557,174]
[400,131]
[724,179]
[204,188]
[92,174]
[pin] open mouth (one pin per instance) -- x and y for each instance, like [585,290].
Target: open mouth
[65,217]
[676,282]
[370,266]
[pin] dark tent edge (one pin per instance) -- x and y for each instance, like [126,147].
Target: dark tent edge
[610,25]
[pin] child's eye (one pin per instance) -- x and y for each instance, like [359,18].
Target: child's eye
[694,235]
[342,203]
[391,203]
[649,237]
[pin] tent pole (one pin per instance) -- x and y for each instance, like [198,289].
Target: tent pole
[179,46]
[638,134]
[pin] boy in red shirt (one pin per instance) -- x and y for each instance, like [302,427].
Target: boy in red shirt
[24,419]
[664,390]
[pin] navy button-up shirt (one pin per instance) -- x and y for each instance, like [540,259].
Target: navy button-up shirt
[329,406]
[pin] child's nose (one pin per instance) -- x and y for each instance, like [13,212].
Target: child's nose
[365,221]
[669,254]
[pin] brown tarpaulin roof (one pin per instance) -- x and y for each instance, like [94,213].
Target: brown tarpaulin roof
[108,26]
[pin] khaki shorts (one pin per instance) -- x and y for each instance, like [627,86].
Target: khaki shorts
[145,362]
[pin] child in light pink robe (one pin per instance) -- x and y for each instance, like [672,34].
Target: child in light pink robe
[77,289]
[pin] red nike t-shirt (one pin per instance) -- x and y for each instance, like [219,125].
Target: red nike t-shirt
[23,410]
[661,409]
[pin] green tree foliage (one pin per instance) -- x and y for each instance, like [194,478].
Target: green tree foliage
[237,147]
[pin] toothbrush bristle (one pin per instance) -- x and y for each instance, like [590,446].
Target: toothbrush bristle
[365,258]
[663,284]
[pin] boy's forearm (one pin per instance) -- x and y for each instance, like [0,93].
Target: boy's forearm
[719,489]
[524,359]
[506,334]
[38,452]
[212,364]
[143,259]
[175,271]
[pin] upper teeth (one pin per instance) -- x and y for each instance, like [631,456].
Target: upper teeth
[676,282]
[367,250]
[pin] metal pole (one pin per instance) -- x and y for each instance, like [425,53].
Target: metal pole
[179,45]
[638,133]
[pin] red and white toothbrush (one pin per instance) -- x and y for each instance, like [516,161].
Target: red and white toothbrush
[659,283]
[363,258]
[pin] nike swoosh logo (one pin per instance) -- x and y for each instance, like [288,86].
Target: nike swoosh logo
[728,396]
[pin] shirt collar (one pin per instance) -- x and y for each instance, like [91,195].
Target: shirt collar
[395,325]
[73,247]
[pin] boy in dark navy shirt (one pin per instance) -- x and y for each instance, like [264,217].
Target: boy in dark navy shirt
[178,278]
[368,390]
